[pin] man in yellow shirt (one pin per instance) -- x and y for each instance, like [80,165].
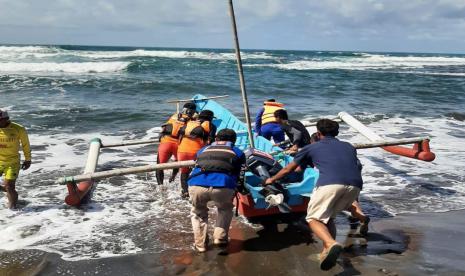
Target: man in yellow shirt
[11,135]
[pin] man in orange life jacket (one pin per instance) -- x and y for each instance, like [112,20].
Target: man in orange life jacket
[265,122]
[11,136]
[170,138]
[194,135]
[214,178]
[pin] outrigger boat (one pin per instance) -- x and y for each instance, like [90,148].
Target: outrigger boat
[250,201]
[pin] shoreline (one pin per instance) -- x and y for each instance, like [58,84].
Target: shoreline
[408,244]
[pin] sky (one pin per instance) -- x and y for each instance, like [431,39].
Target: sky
[436,26]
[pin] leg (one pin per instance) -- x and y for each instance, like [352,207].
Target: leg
[356,211]
[223,201]
[199,216]
[182,156]
[159,174]
[174,173]
[164,154]
[322,232]
[11,193]
[174,152]
[321,210]
[266,132]
[278,134]
[184,185]
[332,228]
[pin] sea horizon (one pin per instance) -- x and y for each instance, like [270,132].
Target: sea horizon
[232,49]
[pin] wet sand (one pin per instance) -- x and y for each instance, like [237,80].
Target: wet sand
[417,244]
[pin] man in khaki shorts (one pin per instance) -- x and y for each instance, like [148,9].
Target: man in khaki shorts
[338,185]
[214,178]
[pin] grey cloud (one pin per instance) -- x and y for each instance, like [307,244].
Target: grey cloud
[265,23]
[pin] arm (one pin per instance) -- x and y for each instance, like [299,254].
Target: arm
[212,134]
[359,164]
[23,137]
[258,121]
[241,178]
[282,173]
[297,136]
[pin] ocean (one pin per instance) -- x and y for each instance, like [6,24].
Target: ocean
[66,95]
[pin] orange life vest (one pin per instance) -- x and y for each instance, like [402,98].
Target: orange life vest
[268,113]
[195,136]
[171,129]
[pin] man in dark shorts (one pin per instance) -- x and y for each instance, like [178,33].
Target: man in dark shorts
[338,185]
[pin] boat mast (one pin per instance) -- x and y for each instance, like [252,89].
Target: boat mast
[241,74]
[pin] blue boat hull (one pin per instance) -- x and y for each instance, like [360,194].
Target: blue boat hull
[252,203]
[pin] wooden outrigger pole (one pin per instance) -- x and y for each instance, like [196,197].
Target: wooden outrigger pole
[241,73]
[420,150]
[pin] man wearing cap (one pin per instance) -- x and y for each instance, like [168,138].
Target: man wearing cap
[214,178]
[194,135]
[169,139]
[11,136]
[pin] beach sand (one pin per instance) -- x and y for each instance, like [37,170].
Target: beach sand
[413,244]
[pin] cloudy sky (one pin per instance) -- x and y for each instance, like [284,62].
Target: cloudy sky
[364,25]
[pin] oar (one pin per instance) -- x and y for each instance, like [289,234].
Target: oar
[125,171]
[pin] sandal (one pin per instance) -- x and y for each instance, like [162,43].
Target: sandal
[329,257]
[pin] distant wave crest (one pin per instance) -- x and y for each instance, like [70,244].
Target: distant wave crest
[43,52]
[65,67]
[368,61]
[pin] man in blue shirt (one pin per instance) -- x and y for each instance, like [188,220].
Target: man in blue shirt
[338,185]
[214,178]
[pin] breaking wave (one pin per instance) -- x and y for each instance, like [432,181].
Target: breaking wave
[369,61]
[65,67]
[43,52]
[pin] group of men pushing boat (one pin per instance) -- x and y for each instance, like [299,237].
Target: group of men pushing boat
[219,163]
[189,135]
[182,136]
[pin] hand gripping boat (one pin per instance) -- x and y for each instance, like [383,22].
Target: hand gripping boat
[251,198]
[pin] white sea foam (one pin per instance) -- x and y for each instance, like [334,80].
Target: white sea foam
[10,53]
[368,61]
[97,231]
[46,223]
[169,54]
[405,173]
[66,67]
